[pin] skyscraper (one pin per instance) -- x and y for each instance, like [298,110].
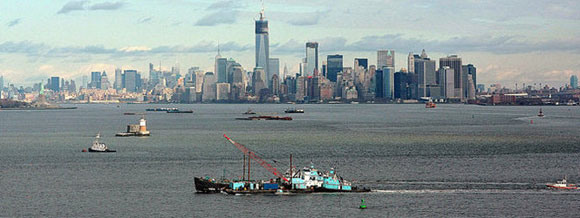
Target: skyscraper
[96,80]
[362,62]
[262,42]
[130,78]
[311,58]
[1,85]
[411,63]
[55,84]
[385,58]
[573,82]
[118,85]
[105,84]
[426,75]
[209,87]
[388,82]
[334,66]
[221,69]
[468,70]
[447,75]
[454,62]
[274,68]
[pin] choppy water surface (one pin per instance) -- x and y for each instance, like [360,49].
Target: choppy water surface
[455,160]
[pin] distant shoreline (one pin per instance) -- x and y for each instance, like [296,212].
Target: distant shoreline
[37,108]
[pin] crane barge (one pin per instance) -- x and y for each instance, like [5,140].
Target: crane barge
[306,180]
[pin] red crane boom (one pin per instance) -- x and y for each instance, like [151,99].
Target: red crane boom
[255,157]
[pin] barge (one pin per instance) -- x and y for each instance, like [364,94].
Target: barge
[293,181]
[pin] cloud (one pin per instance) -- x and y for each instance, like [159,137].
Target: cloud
[73,6]
[32,49]
[134,49]
[223,12]
[219,17]
[107,6]
[144,20]
[508,44]
[81,5]
[223,5]
[307,19]
[14,22]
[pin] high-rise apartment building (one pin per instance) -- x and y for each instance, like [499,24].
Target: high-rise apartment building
[574,81]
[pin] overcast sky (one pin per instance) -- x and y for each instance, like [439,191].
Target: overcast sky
[508,41]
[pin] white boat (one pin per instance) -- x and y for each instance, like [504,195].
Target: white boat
[562,184]
[99,146]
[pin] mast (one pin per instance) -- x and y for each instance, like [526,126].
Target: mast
[249,163]
[291,171]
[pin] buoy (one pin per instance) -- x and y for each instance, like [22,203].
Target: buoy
[531,121]
[84,150]
[362,204]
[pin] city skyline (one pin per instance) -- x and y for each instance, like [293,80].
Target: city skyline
[502,48]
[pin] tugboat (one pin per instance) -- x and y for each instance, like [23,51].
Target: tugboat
[207,185]
[99,146]
[540,114]
[294,111]
[430,104]
[562,184]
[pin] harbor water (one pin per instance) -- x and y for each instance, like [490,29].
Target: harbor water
[449,161]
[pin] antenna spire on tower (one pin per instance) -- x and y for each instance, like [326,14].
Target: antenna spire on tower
[262,12]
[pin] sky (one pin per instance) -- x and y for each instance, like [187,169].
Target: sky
[509,42]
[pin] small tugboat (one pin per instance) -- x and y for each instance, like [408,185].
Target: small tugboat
[540,114]
[562,184]
[250,111]
[430,104]
[99,146]
[207,185]
[294,111]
